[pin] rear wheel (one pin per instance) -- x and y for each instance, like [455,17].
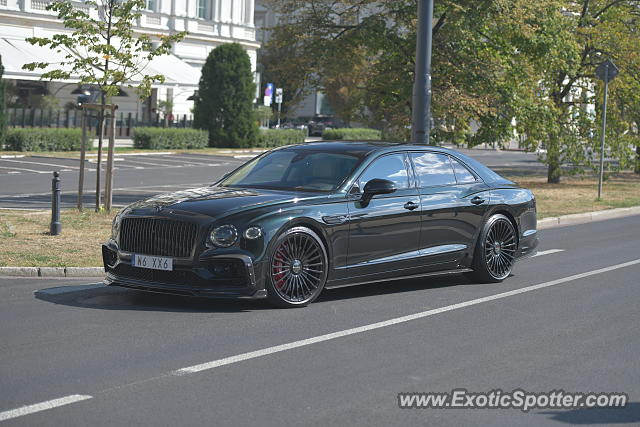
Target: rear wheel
[298,268]
[495,251]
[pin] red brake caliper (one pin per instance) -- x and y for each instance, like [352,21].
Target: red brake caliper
[278,269]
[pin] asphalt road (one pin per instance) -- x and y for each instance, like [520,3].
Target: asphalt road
[136,358]
[25,183]
[135,177]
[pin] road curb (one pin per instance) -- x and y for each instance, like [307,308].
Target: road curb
[551,222]
[581,218]
[52,271]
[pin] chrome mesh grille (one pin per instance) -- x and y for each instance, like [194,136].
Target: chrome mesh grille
[157,236]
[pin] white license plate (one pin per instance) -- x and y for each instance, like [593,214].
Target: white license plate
[152,262]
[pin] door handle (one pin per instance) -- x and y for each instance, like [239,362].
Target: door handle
[477,200]
[411,206]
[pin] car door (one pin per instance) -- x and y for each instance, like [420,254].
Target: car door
[384,235]
[450,214]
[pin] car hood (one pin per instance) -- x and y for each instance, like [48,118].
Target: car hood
[212,201]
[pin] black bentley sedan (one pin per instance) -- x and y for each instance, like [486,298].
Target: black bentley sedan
[301,218]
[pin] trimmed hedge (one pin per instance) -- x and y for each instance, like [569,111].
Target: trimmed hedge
[351,134]
[163,138]
[278,137]
[43,139]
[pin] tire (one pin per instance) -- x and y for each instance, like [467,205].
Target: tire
[297,269]
[494,255]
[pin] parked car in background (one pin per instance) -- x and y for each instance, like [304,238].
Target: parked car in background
[300,218]
[319,123]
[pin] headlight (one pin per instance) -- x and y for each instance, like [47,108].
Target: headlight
[253,233]
[115,226]
[224,236]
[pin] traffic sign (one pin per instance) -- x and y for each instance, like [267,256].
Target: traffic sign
[269,90]
[607,71]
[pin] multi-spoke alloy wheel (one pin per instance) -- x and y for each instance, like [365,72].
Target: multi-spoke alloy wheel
[500,248]
[496,251]
[298,268]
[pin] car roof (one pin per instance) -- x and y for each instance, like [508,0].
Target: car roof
[363,148]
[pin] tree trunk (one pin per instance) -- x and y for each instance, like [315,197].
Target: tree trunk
[553,172]
[99,160]
[553,160]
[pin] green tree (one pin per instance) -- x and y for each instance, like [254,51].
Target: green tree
[493,61]
[103,49]
[3,105]
[224,105]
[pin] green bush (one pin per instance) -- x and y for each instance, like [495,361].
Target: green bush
[163,138]
[43,139]
[351,134]
[279,137]
[226,92]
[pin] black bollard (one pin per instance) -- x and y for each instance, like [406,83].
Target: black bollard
[56,226]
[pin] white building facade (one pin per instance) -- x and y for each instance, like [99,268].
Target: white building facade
[209,23]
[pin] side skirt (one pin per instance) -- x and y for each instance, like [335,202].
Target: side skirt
[413,276]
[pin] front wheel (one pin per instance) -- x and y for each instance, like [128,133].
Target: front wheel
[495,252]
[298,268]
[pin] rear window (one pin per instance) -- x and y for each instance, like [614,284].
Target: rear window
[433,169]
[463,175]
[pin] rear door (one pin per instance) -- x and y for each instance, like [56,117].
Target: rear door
[450,218]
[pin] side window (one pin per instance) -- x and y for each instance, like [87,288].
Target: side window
[433,169]
[391,167]
[463,176]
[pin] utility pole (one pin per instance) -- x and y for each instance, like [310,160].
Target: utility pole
[421,120]
[606,71]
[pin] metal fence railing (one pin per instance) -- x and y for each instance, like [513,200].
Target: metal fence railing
[125,122]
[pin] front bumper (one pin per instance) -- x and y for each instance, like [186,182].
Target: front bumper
[228,275]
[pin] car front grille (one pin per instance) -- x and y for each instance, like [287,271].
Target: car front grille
[157,236]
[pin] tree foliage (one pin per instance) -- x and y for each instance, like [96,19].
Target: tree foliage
[224,105]
[515,68]
[102,47]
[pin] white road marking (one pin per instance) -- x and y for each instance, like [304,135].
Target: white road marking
[14,172]
[23,169]
[155,153]
[378,325]
[41,163]
[42,406]
[169,186]
[138,162]
[548,252]
[12,156]
[183,162]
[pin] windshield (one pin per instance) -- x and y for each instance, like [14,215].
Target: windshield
[300,169]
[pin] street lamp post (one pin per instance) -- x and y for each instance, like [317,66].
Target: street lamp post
[421,120]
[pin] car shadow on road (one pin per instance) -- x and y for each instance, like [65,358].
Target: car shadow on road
[629,414]
[97,296]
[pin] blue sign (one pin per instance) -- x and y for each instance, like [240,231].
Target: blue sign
[269,90]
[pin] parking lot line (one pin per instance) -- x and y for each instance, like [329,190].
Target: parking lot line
[43,406]
[24,169]
[41,163]
[398,320]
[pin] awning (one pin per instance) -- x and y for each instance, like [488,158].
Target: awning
[17,52]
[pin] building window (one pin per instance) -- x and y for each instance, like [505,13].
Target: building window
[151,5]
[204,9]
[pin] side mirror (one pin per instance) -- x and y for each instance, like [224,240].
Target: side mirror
[374,187]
